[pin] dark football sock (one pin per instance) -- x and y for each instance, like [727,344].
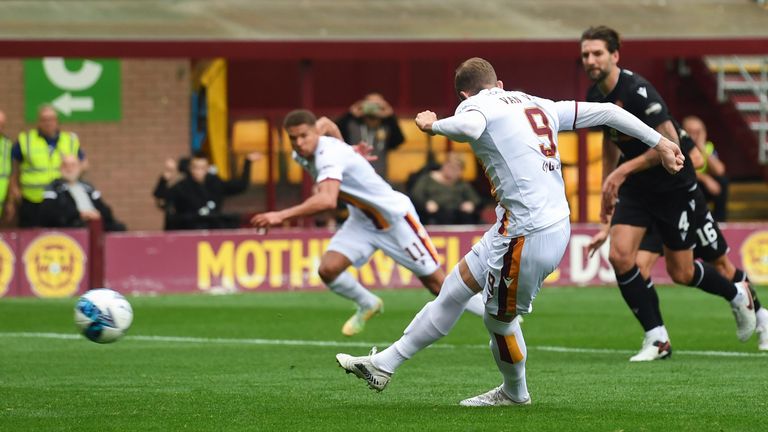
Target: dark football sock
[740,276]
[638,298]
[654,299]
[707,279]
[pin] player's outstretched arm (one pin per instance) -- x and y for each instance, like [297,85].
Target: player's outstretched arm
[325,199]
[589,114]
[463,127]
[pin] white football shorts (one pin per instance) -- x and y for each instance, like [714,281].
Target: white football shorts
[406,241]
[512,269]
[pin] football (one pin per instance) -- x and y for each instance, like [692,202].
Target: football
[103,315]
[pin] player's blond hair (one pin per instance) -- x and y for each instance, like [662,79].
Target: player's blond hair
[474,75]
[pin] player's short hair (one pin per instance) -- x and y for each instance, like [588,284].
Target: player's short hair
[606,34]
[299,117]
[474,75]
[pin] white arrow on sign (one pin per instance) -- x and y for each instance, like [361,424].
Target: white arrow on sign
[66,103]
[65,79]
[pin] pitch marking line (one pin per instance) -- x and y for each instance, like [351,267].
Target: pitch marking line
[351,344]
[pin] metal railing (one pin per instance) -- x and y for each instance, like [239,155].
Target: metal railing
[748,83]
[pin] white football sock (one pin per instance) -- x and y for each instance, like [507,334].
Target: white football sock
[762,316]
[510,353]
[476,305]
[657,333]
[346,286]
[433,321]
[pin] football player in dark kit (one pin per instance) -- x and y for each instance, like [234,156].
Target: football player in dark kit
[641,194]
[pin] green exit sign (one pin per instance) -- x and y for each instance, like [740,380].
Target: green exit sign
[79,89]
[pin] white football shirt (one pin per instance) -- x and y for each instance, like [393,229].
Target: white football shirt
[514,136]
[368,195]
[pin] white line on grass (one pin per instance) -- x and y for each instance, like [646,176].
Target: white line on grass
[351,344]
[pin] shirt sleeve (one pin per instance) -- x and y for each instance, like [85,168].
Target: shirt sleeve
[589,114]
[330,166]
[465,126]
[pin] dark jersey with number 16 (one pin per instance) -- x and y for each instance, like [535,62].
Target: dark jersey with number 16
[639,97]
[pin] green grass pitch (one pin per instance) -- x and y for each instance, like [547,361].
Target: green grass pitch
[237,363]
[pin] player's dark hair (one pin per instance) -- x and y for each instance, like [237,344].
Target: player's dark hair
[606,34]
[474,75]
[299,117]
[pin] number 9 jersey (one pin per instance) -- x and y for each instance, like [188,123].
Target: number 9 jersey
[518,151]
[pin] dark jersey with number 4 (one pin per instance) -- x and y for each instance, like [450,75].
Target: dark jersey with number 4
[639,97]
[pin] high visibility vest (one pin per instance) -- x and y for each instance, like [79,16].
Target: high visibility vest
[41,165]
[5,168]
[709,149]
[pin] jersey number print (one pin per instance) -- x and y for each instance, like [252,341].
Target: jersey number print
[540,126]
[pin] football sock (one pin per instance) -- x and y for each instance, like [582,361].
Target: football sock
[433,321]
[708,279]
[510,353]
[740,276]
[346,286]
[476,305]
[638,298]
[654,300]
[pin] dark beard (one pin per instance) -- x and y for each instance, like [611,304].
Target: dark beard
[600,77]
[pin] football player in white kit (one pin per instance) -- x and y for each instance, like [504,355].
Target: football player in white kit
[379,218]
[514,136]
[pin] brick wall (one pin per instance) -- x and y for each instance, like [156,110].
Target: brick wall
[126,157]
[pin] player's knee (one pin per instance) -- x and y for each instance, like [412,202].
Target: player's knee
[328,272]
[622,261]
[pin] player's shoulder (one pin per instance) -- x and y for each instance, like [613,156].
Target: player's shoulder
[635,84]
[333,149]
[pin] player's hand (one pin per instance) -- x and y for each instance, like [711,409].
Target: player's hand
[596,241]
[365,150]
[266,220]
[671,157]
[424,121]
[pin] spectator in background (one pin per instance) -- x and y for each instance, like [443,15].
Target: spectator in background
[5,167]
[196,201]
[372,120]
[69,202]
[441,197]
[711,176]
[37,157]
[173,172]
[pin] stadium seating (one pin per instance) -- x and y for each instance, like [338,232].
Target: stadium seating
[253,136]
[411,156]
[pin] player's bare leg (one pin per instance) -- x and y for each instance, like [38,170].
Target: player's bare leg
[435,320]
[685,271]
[332,270]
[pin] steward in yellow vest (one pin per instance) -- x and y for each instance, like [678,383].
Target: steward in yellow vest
[5,163]
[5,169]
[38,154]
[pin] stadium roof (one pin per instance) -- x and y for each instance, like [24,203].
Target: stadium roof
[330,21]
